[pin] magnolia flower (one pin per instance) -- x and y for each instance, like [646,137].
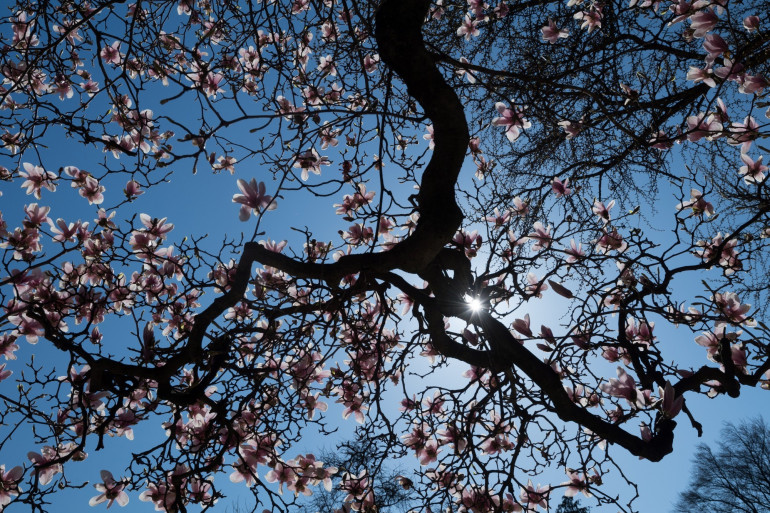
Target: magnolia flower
[36,179]
[429,137]
[571,128]
[560,188]
[112,491]
[552,33]
[743,133]
[670,404]
[522,326]
[541,235]
[592,19]
[703,126]
[468,28]
[535,497]
[702,22]
[577,483]
[460,72]
[751,23]
[310,161]
[754,170]
[132,189]
[575,251]
[520,207]
[611,240]
[705,75]
[253,198]
[9,484]
[714,46]
[624,386]
[698,204]
[513,119]
[111,54]
[602,210]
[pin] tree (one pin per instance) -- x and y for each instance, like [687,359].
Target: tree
[618,180]
[570,505]
[737,477]
[391,489]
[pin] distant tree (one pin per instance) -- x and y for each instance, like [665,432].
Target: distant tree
[570,505]
[735,478]
[357,457]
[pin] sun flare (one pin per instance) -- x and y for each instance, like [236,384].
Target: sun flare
[473,303]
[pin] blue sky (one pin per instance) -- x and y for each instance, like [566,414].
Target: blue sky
[201,203]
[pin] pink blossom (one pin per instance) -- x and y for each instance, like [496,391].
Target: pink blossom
[92,191]
[358,234]
[743,134]
[661,141]
[592,19]
[753,171]
[721,252]
[9,484]
[8,346]
[520,207]
[112,491]
[729,305]
[577,483]
[602,211]
[535,287]
[752,84]
[714,46]
[212,83]
[630,94]
[560,188]
[429,137]
[513,119]
[462,71]
[477,7]
[370,62]
[4,373]
[611,240]
[705,75]
[571,128]
[111,54]
[310,161]
[535,497]
[552,33]
[624,387]
[28,327]
[698,204]
[702,22]
[575,252]
[253,198]
[36,179]
[541,235]
[732,71]
[751,23]
[226,162]
[703,126]
[283,474]
[522,326]
[499,220]
[43,466]
[468,28]
[670,404]
[36,215]
[711,339]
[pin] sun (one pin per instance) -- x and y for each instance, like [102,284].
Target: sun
[473,303]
